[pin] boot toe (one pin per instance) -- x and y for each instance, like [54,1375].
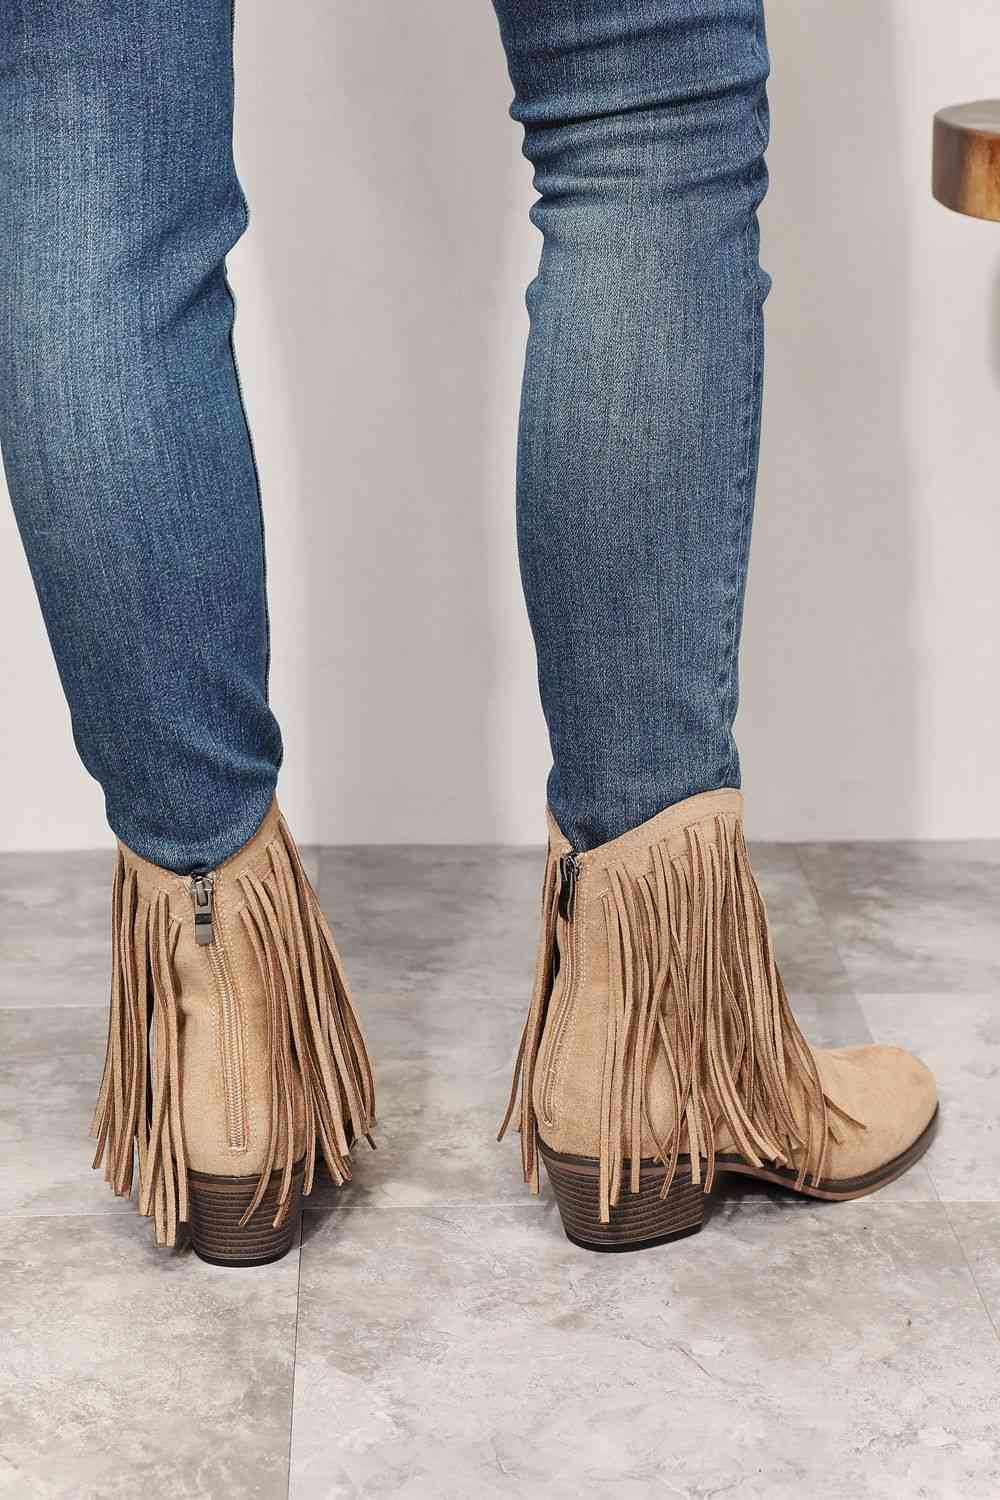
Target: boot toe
[891,1095]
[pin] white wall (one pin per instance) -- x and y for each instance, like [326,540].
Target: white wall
[380,334]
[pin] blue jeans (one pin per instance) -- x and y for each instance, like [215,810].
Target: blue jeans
[131,467]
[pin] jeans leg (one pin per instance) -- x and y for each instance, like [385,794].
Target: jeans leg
[122,425]
[646,122]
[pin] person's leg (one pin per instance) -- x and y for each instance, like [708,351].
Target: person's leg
[234,1053]
[123,433]
[660,1046]
[646,123]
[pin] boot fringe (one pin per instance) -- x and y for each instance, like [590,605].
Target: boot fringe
[692,977]
[315,1043]
[531,1036]
[139,1108]
[313,1029]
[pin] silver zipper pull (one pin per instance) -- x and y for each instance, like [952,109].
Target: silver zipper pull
[568,871]
[203,899]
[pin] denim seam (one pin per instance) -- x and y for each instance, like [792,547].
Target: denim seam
[741,555]
[245,208]
[751,372]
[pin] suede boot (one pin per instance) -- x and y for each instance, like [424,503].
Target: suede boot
[660,1048]
[233,1049]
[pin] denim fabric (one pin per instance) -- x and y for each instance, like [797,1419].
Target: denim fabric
[124,438]
[646,122]
[129,460]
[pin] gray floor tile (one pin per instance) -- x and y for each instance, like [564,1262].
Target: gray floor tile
[128,1371]
[443,1068]
[977,1226]
[50,1072]
[832,1020]
[822,1353]
[958,1036]
[55,921]
[399,1024]
[444,920]
[911,917]
[802,943]
[436,1136]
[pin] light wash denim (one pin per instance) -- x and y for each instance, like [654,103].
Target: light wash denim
[126,446]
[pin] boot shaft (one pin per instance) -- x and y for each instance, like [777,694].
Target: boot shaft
[211,923]
[659,1027]
[233,1047]
[613,914]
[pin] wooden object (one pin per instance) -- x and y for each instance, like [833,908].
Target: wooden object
[966,171]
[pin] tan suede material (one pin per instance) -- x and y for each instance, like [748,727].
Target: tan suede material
[204,1094]
[840,1114]
[567,1082]
[255,1052]
[889,1092]
[892,1093]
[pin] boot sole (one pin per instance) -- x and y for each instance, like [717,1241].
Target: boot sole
[840,1190]
[218,1203]
[644,1219]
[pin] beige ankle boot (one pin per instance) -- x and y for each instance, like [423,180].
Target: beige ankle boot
[660,1048]
[233,1049]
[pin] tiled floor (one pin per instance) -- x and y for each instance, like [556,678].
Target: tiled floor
[435,1335]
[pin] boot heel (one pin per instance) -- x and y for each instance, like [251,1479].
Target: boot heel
[639,1219]
[218,1203]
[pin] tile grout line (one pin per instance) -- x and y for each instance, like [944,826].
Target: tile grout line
[115,1215]
[420,1208]
[111,1214]
[44,1009]
[969,1268]
[295,1359]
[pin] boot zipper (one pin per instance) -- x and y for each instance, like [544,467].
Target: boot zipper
[203,897]
[569,871]
[203,900]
